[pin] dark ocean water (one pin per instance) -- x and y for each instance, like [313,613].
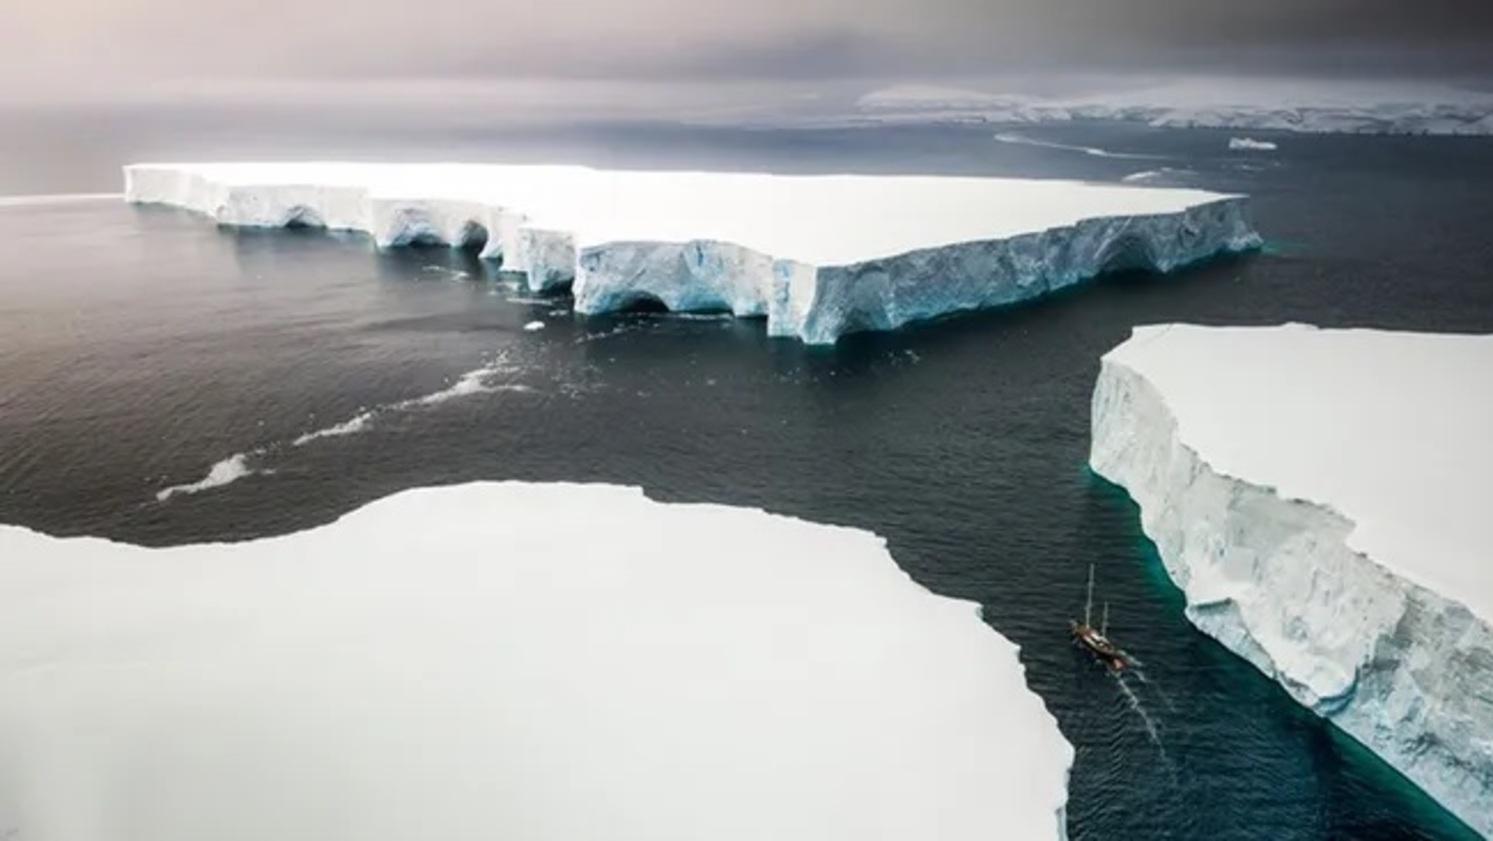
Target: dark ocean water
[140,346]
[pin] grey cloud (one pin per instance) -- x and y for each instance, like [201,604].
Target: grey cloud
[83,45]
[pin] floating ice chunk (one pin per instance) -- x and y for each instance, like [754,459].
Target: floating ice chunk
[1249,144]
[1094,151]
[1321,498]
[818,256]
[464,662]
[224,472]
[534,326]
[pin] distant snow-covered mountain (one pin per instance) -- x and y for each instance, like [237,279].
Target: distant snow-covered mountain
[1281,104]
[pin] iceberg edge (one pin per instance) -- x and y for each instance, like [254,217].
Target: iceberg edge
[1279,581]
[815,301]
[468,631]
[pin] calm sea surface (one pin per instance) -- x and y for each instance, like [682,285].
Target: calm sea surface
[140,347]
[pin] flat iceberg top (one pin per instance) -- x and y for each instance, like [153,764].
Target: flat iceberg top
[821,220]
[1393,430]
[511,661]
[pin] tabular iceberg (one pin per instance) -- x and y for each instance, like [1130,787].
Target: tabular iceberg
[1249,144]
[463,662]
[1321,498]
[817,256]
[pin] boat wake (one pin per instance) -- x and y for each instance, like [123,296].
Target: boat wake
[1153,732]
[1141,676]
[1139,709]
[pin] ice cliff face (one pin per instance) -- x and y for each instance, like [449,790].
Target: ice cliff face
[1394,651]
[816,256]
[818,304]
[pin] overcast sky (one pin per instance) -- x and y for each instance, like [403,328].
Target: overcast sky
[93,47]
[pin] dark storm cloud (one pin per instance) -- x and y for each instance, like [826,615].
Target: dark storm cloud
[99,44]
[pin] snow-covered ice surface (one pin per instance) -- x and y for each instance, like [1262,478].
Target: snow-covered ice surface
[1322,498]
[464,662]
[1282,104]
[818,256]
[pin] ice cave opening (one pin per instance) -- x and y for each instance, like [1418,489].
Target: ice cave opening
[473,237]
[302,216]
[1127,254]
[642,302]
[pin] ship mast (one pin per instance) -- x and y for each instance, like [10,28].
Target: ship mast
[1088,603]
[1104,623]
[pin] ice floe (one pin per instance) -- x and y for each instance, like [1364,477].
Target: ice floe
[466,662]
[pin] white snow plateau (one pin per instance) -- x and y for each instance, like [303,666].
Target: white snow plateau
[1321,497]
[463,662]
[817,256]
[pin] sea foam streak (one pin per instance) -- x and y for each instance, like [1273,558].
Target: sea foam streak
[227,471]
[357,423]
[237,466]
[1022,140]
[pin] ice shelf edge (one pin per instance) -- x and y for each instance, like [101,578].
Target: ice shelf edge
[816,304]
[1393,664]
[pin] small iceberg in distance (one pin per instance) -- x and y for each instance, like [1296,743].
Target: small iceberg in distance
[516,661]
[1249,144]
[818,256]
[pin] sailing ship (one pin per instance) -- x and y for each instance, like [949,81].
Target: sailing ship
[1096,640]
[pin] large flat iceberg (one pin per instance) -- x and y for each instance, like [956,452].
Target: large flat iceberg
[1322,498]
[465,662]
[817,256]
